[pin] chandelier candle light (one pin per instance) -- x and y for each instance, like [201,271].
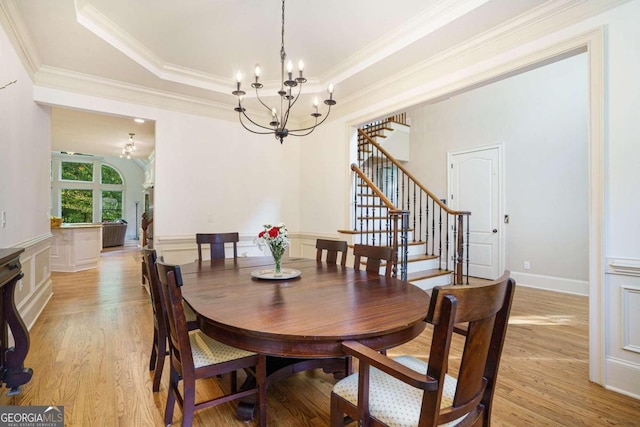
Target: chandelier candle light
[278,124]
[277,238]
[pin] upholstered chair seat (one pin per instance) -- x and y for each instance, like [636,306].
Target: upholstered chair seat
[393,402]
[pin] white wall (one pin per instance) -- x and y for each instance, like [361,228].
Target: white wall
[540,119]
[24,167]
[25,147]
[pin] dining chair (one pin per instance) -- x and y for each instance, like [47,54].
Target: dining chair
[159,345]
[408,391]
[375,255]
[194,355]
[216,243]
[332,247]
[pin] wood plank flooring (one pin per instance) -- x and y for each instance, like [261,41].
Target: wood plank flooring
[90,353]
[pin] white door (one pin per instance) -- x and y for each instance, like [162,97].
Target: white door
[475,186]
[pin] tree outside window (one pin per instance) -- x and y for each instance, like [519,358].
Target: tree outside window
[85,199]
[77,205]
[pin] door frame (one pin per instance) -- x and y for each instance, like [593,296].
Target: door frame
[501,197]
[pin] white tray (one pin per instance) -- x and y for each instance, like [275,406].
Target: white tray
[269,274]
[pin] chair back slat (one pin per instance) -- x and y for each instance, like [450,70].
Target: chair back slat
[216,242]
[375,256]
[332,248]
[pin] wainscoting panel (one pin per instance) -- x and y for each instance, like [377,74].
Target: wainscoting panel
[623,331]
[34,291]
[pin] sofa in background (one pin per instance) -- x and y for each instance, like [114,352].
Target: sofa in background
[113,234]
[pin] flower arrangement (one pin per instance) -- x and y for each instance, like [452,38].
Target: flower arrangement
[276,237]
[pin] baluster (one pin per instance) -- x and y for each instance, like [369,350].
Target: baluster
[420,218]
[467,249]
[408,206]
[433,227]
[414,210]
[426,228]
[440,243]
[447,247]
[355,201]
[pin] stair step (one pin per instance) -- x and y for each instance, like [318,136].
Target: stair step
[366,232]
[366,195]
[410,244]
[373,218]
[426,274]
[373,206]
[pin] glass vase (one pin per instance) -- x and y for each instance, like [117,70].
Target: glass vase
[277,253]
[278,270]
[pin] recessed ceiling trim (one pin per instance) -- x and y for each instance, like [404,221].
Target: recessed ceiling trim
[96,22]
[422,25]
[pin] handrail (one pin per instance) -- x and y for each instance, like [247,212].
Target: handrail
[373,187]
[410,175]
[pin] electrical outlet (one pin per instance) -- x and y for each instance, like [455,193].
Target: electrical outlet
[3,219]
[527,265]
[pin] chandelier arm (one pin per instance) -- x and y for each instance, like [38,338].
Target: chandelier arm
[314,126]
[291,104]
[242,113]
[262,102]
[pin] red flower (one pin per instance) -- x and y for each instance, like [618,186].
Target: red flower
[261,234]
[273,233]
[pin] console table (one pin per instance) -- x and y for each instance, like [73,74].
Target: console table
[13,374]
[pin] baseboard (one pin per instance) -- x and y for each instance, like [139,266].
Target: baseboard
[557,284]
[623,377]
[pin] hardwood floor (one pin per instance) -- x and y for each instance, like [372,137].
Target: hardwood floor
[90,353]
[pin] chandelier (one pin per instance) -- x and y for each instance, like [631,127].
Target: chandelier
[278,124]
[129,148]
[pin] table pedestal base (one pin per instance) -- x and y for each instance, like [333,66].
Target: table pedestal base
[279,368]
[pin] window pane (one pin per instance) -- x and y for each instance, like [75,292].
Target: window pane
[111,205]
[77,205]
[110,175]
[73,171]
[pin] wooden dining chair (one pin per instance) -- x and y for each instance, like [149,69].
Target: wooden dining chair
[408,391]
[375,255]
[332,247]
[194,355]
[216,242]
[159,347]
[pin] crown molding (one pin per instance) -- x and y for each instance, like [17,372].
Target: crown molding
[502,40]
[16,30]
[422,25]
[56,78]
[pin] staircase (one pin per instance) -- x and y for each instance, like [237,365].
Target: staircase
[391,208]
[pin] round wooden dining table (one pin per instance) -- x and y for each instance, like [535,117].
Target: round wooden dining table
[303,317]
[300,322]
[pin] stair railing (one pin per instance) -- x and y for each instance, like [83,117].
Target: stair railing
[397,226]
[445,232]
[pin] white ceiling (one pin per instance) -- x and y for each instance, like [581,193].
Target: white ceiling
[193,49]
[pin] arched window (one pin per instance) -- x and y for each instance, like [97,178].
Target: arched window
[85,189]
[111,191]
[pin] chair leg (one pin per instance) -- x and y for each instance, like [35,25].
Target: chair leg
[154,355]
[161,353]
[337,417]
[171,398]
[189,401]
